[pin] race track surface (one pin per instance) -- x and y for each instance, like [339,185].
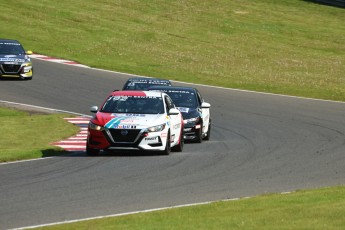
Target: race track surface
[259,144]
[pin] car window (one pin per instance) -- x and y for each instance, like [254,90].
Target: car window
[11,48]
[144,84]
[183,98]
[134,104]
[137,86]
[200,100]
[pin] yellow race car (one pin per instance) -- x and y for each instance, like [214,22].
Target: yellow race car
[14,60]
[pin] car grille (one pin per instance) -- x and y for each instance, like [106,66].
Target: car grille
[10,68]
[124,135]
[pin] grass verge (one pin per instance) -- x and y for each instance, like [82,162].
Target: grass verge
[308,209]
[287,46]
[26,136]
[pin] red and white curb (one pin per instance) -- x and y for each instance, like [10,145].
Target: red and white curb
[78,142]
[57,60]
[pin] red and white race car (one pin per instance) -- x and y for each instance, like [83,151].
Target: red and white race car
[136,120]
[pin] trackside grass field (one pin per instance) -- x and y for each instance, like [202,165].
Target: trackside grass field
[27,136]
[307,209]
[292,47]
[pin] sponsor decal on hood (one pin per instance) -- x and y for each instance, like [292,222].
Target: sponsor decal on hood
[14,58]
[188,113]
[183,109]
[130,121]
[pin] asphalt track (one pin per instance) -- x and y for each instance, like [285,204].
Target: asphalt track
[259,144]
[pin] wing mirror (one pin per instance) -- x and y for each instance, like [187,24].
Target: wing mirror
[173,111]
[205,105]
[94,109]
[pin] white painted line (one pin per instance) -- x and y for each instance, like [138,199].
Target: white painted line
[77,138]
[113,215]
[71,146]
[44,108]
[71,142]
[138,212]
[77,119]
[134,212]
[230,89]
[216,87]
[22,161]
[79,122]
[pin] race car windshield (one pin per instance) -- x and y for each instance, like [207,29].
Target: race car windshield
[11,48]
[133,104]
[183,98]
[144,85]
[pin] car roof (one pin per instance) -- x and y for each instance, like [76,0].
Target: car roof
[137,93]
[143,79]
[9,40]
[172,88]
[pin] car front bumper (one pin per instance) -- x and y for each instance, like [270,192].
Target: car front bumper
[191,131]
[118,139]
[16,70]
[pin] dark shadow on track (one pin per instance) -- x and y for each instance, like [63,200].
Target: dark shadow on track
[59,153]
[54,153]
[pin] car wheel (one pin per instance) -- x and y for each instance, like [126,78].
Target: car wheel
[167,149]
[208,132]
[179,146]
[91,152]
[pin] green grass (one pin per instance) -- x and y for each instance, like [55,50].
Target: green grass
[292,47]
[307,209]
[25,136]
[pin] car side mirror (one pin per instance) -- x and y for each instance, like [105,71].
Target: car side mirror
[205,105]
[173,111]
[94,109]
[28,52]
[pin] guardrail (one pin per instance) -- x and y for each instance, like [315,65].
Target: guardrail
[339,3]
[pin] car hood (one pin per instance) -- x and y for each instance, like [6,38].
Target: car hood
[188,113]
[129,121]
[14,59]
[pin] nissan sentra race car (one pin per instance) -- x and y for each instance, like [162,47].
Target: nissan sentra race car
[195,111]
[14,61]
[135,120]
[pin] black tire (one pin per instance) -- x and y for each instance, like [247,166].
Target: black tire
[167,149]
[179,147]
[207,138]
[92,152]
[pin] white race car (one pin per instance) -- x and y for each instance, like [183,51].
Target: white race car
[136,120]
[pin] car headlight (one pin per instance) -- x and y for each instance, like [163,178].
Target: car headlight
[191,120]
[95,127]
[156,128]
[27,67]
